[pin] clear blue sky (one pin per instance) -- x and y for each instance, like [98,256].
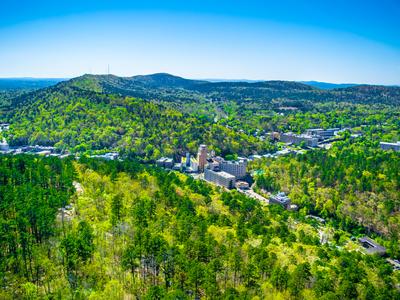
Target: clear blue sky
[334,41]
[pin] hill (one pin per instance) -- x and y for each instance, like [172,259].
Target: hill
[180,92]
[82,119]
[171,88]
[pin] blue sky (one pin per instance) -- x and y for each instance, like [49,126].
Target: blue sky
[334,41]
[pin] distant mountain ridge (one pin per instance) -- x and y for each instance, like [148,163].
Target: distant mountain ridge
[27,83]
[328,85]
[166,87]
[175,89]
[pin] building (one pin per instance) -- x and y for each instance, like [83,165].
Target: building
[371,247]
[297,139]
[280,199]
[219,177]
[242,185]
[4,145]
[187,164]
[191,165]
[107,156]
[322,134]
[390,146]
[254,157]
[235,168]
[202,157]
[177,167]
[165,162]
[4,126]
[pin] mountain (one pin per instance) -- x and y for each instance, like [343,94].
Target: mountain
[327,85]
[170,88]
[165,80]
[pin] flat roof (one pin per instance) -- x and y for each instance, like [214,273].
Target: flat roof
[370,246]
[226,175]
[223,174]
[390,143]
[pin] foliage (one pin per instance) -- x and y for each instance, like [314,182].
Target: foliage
[140,232]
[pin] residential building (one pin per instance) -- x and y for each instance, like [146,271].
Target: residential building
[221,178]
[390,146]
[202,157]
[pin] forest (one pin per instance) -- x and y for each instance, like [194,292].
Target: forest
[85,120]
[96,229]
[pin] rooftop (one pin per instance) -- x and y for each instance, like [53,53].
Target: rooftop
[390,143]
[224,174]
[371,247]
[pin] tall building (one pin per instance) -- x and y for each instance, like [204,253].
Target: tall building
[221,178]
[187,159]
[202,157]
[235,168]
[190,164]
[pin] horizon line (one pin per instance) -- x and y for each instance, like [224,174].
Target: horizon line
[194,78]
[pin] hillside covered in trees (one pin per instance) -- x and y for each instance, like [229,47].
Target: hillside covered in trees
[86,120]
[351,183]
[118,230]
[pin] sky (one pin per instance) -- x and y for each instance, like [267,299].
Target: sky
[333,41]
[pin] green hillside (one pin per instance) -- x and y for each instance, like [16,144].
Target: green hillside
[134,232]
[81,119]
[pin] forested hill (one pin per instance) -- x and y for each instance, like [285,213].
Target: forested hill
[167,87]
[136,232]
[177,90]
[67,116]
